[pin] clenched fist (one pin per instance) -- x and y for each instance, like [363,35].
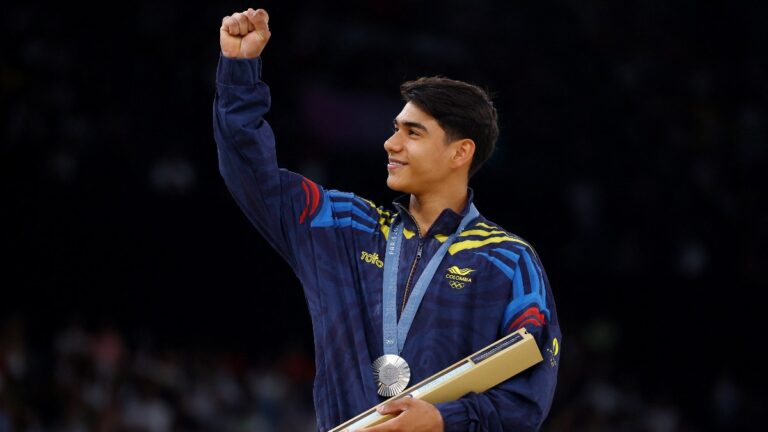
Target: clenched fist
[244,35]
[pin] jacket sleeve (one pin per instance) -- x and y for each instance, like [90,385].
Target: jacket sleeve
[279,203]
[522,402]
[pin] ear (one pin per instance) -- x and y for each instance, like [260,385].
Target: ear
[463,151]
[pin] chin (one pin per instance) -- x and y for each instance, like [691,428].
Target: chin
[395,185]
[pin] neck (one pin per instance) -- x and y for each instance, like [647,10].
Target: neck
[426,207]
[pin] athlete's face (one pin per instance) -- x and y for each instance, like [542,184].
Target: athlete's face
[419,158]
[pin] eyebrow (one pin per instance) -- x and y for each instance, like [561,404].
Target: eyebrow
[411,124]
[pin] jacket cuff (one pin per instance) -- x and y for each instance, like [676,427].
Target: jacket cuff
[238,72]
[455,417]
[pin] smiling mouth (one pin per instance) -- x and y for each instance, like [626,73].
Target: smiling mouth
[393,164]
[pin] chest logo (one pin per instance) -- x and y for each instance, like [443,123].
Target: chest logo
[457,277]
[371,258]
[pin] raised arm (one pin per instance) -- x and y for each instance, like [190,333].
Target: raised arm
[279,203]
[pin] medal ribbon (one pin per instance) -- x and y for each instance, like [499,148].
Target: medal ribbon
[395,332]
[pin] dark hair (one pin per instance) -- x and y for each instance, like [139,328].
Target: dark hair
[463,110]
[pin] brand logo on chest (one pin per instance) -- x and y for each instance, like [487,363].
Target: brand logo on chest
[458,278]
[371,258]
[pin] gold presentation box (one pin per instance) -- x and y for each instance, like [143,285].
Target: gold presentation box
[480,371]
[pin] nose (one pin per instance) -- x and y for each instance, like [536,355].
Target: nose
[392,144]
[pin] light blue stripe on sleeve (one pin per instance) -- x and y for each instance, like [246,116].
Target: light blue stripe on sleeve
[520,300]
[343,206]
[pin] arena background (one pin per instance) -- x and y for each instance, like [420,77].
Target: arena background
[135,296]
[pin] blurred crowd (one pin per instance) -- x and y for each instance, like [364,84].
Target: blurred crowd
[82,380]
[104,380]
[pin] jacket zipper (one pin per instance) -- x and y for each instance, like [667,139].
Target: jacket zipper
[415,262]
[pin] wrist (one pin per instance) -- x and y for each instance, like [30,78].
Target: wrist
[453,415]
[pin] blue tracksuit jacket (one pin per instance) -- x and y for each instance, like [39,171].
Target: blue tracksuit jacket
[489,284]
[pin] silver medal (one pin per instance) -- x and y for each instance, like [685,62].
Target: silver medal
[392,374]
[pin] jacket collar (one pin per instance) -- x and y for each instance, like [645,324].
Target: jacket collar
[446,223]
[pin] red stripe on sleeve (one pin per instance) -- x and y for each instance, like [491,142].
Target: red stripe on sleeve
[533,321]
[531,316]
[315,197]
[306,204]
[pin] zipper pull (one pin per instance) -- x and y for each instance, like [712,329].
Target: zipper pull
[418,251]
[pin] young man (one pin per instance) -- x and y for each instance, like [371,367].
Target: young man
[394,296]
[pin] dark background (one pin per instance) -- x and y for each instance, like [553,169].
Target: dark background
[632,155]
